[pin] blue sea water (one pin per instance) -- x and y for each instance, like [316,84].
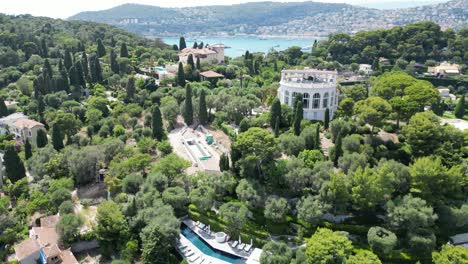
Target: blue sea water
[239,44]
[207,249]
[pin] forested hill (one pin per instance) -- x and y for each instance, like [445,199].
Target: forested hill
[272,18]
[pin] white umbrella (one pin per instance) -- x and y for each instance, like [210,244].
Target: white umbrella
[251,242]
[240,242]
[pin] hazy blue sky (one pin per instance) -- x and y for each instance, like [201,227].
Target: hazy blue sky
[66,8]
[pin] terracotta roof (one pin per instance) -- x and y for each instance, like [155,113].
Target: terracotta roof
[27,123]
[49,221]
[26,248]
[68,257]
[46,235]
[203,51]
[211,74]
[51,251]
[10,103]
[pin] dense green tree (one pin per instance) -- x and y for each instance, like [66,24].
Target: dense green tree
[255,147]
[276,128]
[276,253]
[224,162]
[391,84]
[337,149]
[364,257]
[403,108]
[188,110]
[198,64]
[157,124]
[368,189]
[176,197]
[327,246]
[202,111]
[298,114]
[422,93]
[158,244]
[3,108]
[190,61]
[27,149]
[130,87]
[113,61]
[310,209]
[68,228]
[132,183]
[450,254]
[421,242]
[327,118]
[373,110]
[180,75]
[57,137]
[276,209]
[100,50]
[182,44]
[14,167]
[290,144]
[123,50]
[345,108]
[234,214]
[248,192]
[410,213]
[381,240]
[171,166]
[434,182]
[460,107]
[67,59]
[111,228]
[423,133]
[203,197]
[275,112]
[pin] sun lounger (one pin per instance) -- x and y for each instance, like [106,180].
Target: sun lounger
[202,226]
[189,253]
[201,261]
[241,246]
[192,259]
[248,248]
[197,223]
[186,250]
[234,243]
[182,247]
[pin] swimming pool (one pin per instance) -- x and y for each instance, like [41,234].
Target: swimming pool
[207,249]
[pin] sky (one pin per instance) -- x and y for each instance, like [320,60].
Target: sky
[67,8]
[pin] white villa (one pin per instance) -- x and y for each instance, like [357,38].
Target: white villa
[21,126]
[318,89]
[210,54]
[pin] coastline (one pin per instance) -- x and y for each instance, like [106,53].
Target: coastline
[201,36]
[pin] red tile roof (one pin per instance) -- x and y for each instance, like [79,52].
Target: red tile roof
[211,74]
[203,51]
[26,248]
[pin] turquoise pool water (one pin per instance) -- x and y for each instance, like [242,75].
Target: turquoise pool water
[207,249]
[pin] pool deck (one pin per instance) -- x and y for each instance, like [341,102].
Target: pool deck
[207,259]
[211,240]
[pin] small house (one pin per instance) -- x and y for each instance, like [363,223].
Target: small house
[21,126]
[210,76]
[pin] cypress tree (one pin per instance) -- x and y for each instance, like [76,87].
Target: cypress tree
[14,166]
[460,108]
[327,118]
[3,108]
[157,124]
[224,162]
[80,73]
[123,50]
[44,48]
[181,75]
[67,59]
[131,87]
[317,138]
[200,46]
[338,149]
[95,69]
[57,137]
[198,63]
[47,68]
[244,125]
[190,61]
[113,42]
[41,138]
[188,112]
[85,66]
[202,113]
[275,112]
[101,50]
[113,61]
[195,45]
[182,44]
[27,149]
[298,115]
[277,124]
[73,76]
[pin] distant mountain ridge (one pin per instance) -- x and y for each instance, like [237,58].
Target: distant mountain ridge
[272,18]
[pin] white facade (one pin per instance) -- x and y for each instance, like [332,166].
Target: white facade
[318,89]
[366,68]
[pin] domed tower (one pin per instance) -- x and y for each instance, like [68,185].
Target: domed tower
[318,88]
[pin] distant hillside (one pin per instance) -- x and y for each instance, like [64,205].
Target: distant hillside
[273,18]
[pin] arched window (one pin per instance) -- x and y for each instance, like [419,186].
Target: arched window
[325,100]
[286,97]
[306,99]
[316,101]
[332,99]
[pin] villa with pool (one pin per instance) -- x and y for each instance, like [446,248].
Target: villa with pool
[199,245]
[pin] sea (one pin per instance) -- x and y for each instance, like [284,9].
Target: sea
[236,46]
